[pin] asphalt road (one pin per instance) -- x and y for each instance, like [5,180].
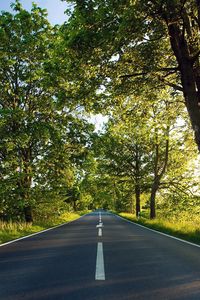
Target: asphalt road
[115,261]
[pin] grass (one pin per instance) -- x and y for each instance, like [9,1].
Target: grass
[13,230]
[185,229]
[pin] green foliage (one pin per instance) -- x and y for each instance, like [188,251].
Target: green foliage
[137,43]
[43,131]
[117,58]
[132,152]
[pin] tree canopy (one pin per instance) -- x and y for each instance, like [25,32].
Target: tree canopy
[136,62]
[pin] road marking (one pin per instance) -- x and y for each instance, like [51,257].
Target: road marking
[100,232]
[167,235]
[100,272]
[99,226]
[100,217]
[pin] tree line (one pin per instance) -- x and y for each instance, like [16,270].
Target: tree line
[137,62]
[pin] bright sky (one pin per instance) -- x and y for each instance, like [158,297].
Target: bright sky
[99,121]
[55,8]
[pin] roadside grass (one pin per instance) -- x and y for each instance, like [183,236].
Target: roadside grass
[13,230]
[185,229]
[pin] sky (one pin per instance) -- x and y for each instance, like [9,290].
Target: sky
[55,8]
[99,121]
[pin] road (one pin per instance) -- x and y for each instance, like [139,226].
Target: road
[99,256]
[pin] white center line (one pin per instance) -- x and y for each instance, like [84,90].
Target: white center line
[100,272]
[99,217]
[100,232]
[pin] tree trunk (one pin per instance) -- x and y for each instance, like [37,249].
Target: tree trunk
[189,76]
[137,197]
[74,205]
[26,182]
[137,179]
[154,190]
[158,174]
[28,214]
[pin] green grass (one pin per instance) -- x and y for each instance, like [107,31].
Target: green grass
[13,230]
[185,229]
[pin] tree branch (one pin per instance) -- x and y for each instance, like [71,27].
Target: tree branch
[133,75]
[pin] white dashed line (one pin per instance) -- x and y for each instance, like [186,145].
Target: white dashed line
[100,271]
[100,232]
[100,217]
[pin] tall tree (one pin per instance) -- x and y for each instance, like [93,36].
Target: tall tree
[142,41]
[26,104]
[126,152]
[42,130]
[142,144]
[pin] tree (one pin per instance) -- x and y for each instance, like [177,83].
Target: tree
[43,132]
[126,154]
[182,20]
[141,146]
[26,103]
[142,41]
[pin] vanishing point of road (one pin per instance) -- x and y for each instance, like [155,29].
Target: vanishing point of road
[99,257]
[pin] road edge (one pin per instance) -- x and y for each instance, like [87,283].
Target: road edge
[39,232]
[159,232]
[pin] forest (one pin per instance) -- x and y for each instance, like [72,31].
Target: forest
[132,63]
